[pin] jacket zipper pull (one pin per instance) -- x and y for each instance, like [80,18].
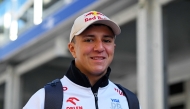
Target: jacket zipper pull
[96,99]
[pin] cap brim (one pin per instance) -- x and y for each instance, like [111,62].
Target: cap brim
[116,29]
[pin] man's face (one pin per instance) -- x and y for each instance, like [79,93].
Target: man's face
[93,50]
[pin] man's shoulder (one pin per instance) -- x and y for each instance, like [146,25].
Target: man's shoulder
[121,87]
[39,94]
[36,101]
[131,97]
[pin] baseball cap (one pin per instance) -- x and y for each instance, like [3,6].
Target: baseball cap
[89,18]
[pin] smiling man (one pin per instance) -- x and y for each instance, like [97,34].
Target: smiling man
[86,84]
[93,51]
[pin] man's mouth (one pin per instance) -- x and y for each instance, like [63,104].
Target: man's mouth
[98,58]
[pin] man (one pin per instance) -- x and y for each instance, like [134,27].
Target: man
[86,84]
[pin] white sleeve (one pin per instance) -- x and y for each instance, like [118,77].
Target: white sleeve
[36,101]
[140,106]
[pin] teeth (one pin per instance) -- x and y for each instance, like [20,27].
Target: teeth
[97,58]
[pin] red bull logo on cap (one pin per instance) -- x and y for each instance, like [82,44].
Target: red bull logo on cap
[94,15]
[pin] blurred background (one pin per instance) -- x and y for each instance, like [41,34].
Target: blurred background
[152,56]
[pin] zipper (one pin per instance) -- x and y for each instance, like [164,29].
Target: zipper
[96,99]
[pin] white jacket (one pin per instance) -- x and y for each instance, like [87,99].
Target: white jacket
[78,94]
[78,97]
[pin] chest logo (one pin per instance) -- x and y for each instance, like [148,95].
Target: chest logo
[72,100]
[115,104]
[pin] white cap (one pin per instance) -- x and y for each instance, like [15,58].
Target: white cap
[89,18]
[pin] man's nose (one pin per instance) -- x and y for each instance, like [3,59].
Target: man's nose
[99,47]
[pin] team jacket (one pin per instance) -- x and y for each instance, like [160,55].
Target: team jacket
[78,93]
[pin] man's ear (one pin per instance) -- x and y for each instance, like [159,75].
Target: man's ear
[71,48]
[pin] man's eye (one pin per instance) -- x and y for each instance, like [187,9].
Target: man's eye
[88,40]
[107,41]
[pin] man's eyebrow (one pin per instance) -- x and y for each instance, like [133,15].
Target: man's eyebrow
[88,35]
[109,36]
[105,36]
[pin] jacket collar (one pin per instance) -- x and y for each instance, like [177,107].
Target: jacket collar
[79,78]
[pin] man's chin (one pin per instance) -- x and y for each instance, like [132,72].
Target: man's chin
[99,72]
